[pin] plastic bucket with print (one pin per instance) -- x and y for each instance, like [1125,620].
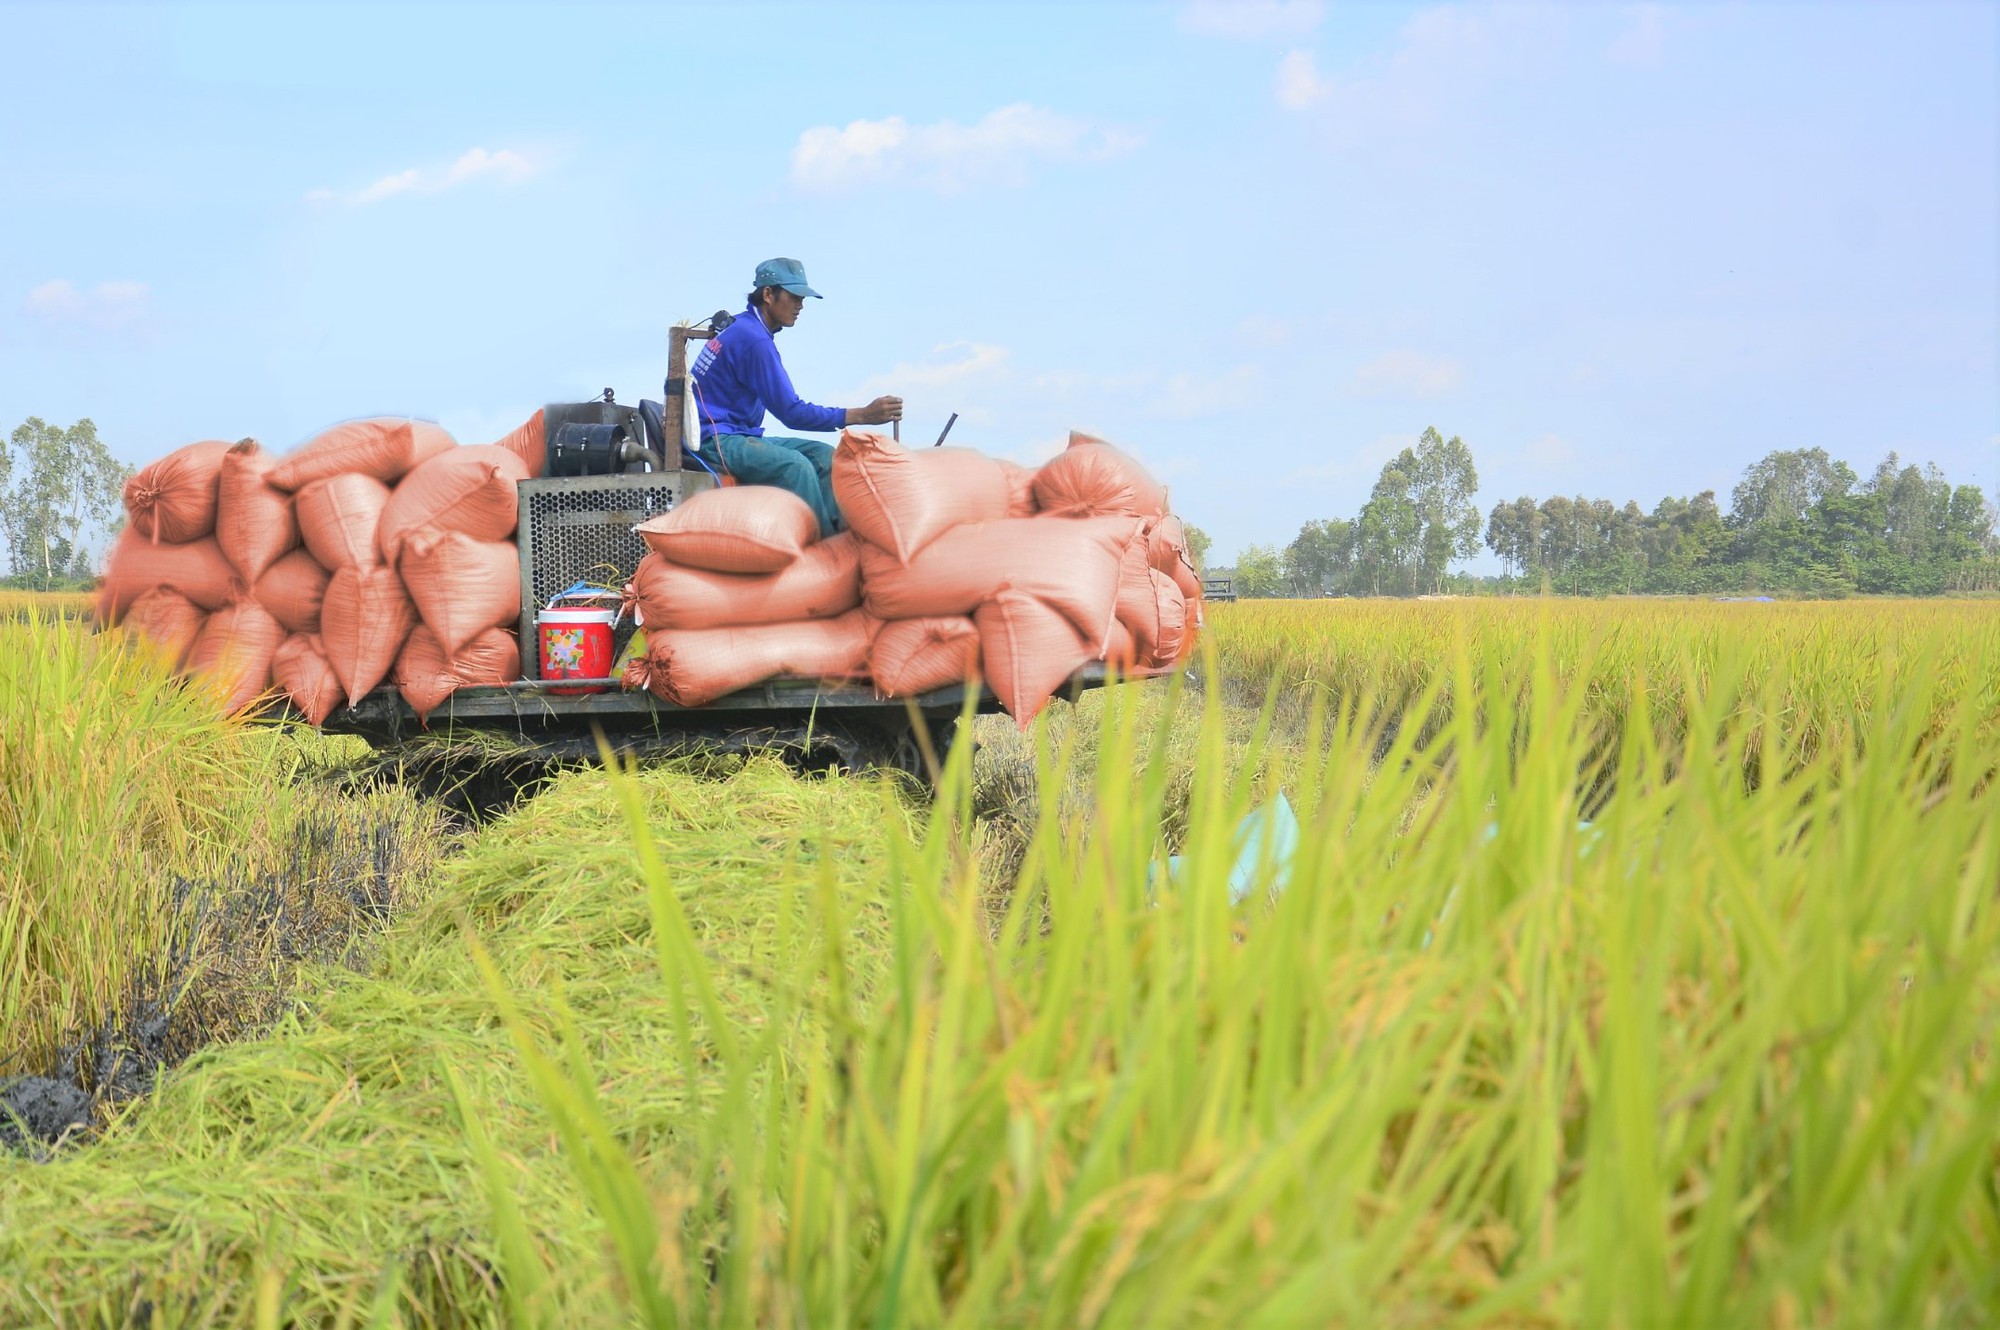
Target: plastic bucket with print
[575,644]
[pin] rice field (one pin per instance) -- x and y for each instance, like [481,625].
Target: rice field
[1629,964]
[20,604]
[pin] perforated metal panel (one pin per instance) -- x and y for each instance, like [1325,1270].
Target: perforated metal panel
[580,530]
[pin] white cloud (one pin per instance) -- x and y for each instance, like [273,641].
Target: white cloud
[1299,83]
[1249,20]
[1442,69]
[1407,374]
[106,307]
[947,156]
[953,365]
[1644,41]
[505,166]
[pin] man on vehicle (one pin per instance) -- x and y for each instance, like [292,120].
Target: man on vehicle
[739,376]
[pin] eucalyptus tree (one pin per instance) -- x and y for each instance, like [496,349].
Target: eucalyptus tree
[57,486]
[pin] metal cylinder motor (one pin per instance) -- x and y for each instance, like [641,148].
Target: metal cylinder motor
[580,449]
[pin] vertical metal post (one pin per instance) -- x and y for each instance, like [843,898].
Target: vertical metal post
[672,417]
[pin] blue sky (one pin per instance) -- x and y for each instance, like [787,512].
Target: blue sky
[1621,250]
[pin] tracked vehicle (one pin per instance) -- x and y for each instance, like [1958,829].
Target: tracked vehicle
[610,467]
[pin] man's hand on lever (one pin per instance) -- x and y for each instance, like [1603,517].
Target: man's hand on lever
[878,412]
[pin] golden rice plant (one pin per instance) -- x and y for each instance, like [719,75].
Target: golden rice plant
[1833,659]
[1553,1022]
[16,604]
[115,778]
[1718,1054]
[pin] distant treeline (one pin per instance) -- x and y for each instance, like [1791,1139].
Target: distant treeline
[59,491]
[1799,523]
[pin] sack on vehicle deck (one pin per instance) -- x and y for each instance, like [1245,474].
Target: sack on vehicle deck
[194,568]
[426,674]
[386,448]
[468,490]
[900,501]
[739,529]
[255,523]
[691,667]
[293,590]
[173,500]
[1072,565]
[364,622]
[825,580]
[461,586]
[912,656]
[338,518]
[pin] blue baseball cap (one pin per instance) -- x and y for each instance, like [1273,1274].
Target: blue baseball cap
[788,273]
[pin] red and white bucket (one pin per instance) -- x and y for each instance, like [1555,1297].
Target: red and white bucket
[575,643]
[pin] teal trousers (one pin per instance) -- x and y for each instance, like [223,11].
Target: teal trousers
[803,466]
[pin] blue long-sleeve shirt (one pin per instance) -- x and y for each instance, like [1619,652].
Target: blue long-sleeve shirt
[738,377]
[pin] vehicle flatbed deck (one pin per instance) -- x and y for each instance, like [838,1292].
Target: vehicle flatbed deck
[846,722]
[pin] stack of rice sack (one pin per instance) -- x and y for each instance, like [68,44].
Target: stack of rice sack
[379,550]
[977,566]
[736,588]
[956,566]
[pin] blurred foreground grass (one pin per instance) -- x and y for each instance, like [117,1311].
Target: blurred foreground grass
[1575,1008]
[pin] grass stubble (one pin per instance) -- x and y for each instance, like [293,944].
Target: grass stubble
[1619,981]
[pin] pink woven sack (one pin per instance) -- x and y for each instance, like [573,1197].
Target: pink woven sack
[169,621]
[254,521]
[1191,635]
[1151,609]
[385,448]
[461,586]
[1070,565]
[1091,478]
[900,501]
[691,667]
[912,656]
[823,581]
[1027,651]
[234,650]
[195,568]
[426,676]
[1166,543]
[469,490]
[1167,550]
[739,529]
[527,443]
[365,621]
[1121,651]
[1020,488]
[294,590]
[300,667]
[173,500]
[338,518]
